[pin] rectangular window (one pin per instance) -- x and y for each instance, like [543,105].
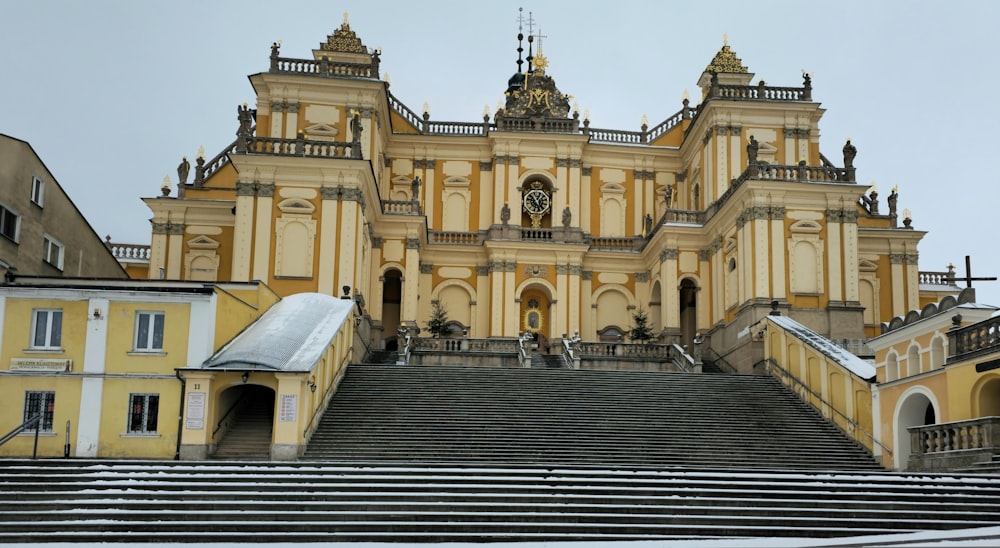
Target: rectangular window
[43,403]
[8,223]
[37,191]
[142,413]
[149,332]
[54,252]
[46,329]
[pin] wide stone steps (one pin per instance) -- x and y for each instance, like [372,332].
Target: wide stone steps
[95,501]
[449,413]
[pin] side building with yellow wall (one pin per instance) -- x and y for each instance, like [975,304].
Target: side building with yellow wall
[97,359]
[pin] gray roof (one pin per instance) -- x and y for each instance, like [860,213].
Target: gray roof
[825,346]
[291,336]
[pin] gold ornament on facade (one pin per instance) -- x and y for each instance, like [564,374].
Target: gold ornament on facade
[726,61]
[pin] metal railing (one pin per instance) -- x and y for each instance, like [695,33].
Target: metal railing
[806,394]
[32,422]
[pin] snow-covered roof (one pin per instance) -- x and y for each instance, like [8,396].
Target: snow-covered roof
[291,336]
[824,345]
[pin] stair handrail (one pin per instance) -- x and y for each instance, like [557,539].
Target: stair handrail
[33,421]
[684,361]
[728,367]
[570,352]
[228,412]
[770,365]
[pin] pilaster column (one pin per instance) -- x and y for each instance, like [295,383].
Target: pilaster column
[291,120]
[243,231]
[575,272]
[762,260]
[790,149]
[487,207]
[573,192]
[513,172]
[88,428]
[328,241]
[559,197]
[158,251]
[721,163]
[500,190]
[484,304]
[411,281]
[585,184]
[558,312]
[833,255]
[778,253]
[670,311]
[912,282]
[262,235]
[430,192]
[898,280]
[706,299]
[511,315]
[350,236]
[744,266]
[277,117]
[497,302]
[175,249]
[852,293]
[588,331]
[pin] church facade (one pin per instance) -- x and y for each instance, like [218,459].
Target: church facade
[530,220]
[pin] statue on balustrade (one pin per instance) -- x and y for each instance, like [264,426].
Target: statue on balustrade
[567,217]
[415,189]
[356,127]
[668,194]
[892,199]
[850,151]
[245,116]
[505,214]
[649,223]
[182,171]
[752,147]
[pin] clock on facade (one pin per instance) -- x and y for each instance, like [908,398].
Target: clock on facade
[536,201]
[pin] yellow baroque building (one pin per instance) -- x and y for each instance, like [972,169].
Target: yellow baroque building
[531,220]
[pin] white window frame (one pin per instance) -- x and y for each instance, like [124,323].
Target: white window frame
[6,212]
[37,191]
[51,338]
[46,402]
[144,400]
[149,344]
[52,245]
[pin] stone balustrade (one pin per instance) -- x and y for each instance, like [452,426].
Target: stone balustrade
[299,147]
[951,445]
[455,238]
[979,337]
[400,207]
[495,345]
[129,252]
[622,244]
[324,67]
[937,278]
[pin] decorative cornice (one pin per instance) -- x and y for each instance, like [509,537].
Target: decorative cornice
[587,275]
[562,162]
[377,242]
[330,192]
[265,190]
[514,160]
[641,277]
[424,164]
[576,269]
[777,213]
[668,254]
[758,213]
[850,216]
[413,243]
[705,255]
[351,195]
[897,258]
[426,268]
[486,165]
[643,174]
[292,107]
[500,160]
[562,269]
[722,131]
[912,258]
[575,162]
[245,189]
[482,270]
[173,229]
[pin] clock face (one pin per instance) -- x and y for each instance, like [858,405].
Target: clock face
[536,201]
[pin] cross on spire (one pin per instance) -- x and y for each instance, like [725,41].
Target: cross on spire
[540,36]
[968,274]
[531,24]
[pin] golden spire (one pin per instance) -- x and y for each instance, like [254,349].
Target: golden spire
[726,60]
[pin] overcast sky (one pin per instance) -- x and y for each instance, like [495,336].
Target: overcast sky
[111,94]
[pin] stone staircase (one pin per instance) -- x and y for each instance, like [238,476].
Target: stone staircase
[79,501]
[249,437]
[563,416]
[548,361]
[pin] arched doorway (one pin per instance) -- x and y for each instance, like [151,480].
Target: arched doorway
[244,421]
[989,399]
[688,307]
[534,315]
[392,298]
[913,409]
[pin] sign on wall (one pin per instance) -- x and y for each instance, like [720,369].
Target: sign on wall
[288,411]
[195,411]
[33,365]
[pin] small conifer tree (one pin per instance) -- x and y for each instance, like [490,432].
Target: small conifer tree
[640,331]
[439,317]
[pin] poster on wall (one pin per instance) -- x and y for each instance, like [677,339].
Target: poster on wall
[289,408]
[195,411]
